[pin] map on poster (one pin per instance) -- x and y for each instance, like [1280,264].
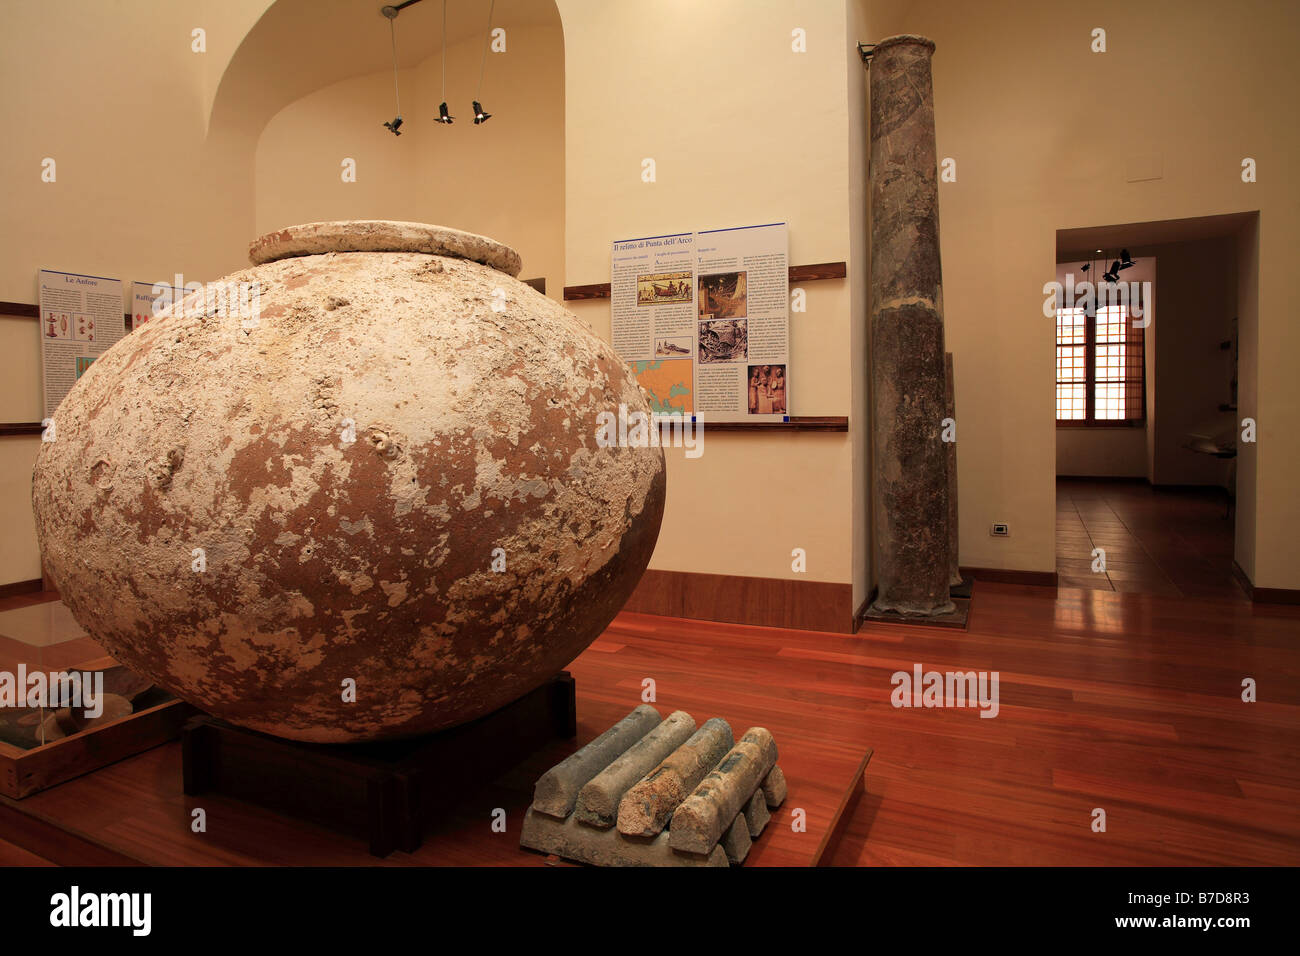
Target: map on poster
[668,385]
[81,317]
[703,318]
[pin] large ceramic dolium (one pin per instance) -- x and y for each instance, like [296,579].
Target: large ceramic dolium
[349,467]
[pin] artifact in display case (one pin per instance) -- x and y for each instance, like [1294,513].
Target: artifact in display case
[62,714]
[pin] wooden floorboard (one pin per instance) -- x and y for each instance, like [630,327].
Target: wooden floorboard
[1128,702]
[1157,540]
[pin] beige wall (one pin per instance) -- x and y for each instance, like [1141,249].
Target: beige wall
[156,149]
[1195,295]
[20,401]
[863,21]
[1250,509]
[140,193]
[1101,452]
[504,179]
[743,131]
[1017,98]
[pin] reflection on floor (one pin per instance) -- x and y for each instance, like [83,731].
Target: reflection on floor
[1126,702]
[1171,541]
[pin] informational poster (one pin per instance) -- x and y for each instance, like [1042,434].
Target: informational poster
[81,317]
[743,297]
[150,298]
[652,309]
[703,319]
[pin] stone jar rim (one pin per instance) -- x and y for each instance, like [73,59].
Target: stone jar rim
[382,235]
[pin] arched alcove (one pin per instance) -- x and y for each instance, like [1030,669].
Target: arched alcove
[311,83]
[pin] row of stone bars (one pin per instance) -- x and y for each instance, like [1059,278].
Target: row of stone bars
[652,792]
[913,508]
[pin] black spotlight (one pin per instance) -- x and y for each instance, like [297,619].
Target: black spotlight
[395,127]
[479,116]
[1126,261]
[1085,267]
[443,116]
[1113,274]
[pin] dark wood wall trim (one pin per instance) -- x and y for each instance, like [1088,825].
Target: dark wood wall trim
[796,423]
[1039,579]
[809,273]
[28,311]
[1242,580]
[730,598]
[21,587]
[20,428]
[1264,595]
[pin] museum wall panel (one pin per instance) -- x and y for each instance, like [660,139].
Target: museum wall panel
[742,131]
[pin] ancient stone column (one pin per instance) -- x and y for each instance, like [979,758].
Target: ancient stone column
[910,475]
[950,411]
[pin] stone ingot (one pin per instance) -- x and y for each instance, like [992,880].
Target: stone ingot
[649,804]
[380,472]
[704,816]
[557,790]
[599,798]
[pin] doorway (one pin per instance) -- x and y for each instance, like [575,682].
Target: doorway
[1148,377]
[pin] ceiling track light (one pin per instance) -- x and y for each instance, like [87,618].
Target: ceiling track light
[481,116]
[395,126]
[444,117]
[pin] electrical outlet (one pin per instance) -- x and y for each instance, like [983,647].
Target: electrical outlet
[1000,529]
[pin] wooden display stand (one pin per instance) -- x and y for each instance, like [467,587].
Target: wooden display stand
[385,791]
[25,770]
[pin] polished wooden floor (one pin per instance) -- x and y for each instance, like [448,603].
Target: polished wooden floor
[1168,540]
[1126,702]
[135,810]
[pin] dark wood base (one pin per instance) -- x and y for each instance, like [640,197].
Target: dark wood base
[1264,595]
[384,792]
[734,599]
[20,587]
